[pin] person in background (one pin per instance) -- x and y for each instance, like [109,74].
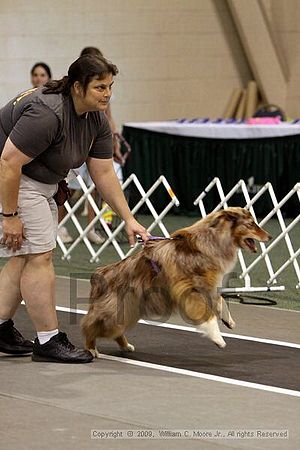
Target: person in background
[40,74]
[84,173]
[44,133]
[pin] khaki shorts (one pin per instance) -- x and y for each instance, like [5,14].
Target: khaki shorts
[38,212]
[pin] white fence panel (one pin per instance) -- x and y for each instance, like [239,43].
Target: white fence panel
[112,234]
[264,256]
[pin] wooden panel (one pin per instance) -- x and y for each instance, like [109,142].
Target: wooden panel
[260,50]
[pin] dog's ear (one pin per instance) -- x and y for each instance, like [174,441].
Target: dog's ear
[225,214]
[214,223]
[231,215]
[219,216]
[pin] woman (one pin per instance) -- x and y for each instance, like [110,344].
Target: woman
[40,74]
[44,133]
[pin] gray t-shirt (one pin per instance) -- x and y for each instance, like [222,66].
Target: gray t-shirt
[46,127]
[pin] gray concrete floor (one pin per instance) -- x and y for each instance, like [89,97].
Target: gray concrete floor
[53,406]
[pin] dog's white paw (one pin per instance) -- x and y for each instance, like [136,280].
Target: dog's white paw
[229,323]
[128,348]
[94,352]
[220,343]
[210,329]
[232,324]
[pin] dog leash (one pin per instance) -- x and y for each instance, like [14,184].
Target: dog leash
[154,265]
[154,238]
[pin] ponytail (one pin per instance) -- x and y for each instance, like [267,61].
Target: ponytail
[58,86]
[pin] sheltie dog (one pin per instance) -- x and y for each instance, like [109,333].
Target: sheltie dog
[180,274]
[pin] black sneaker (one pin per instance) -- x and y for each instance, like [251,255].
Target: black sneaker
[11,340]
[60,350]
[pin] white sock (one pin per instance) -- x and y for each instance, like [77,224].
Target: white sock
[45,336]
[2,321]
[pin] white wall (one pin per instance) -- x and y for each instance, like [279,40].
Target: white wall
[177,58]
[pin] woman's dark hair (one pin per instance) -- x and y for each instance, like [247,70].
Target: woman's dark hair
[44,66]
[83,70]
[91,51]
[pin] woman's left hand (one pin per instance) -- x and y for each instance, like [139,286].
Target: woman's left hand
[133,228]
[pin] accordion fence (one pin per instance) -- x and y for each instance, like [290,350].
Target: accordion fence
[265,256]
[246,272]
[112,234]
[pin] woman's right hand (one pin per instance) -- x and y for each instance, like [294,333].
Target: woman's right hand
[13,232]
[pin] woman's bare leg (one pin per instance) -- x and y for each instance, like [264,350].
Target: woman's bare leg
[10,294]
[38,290]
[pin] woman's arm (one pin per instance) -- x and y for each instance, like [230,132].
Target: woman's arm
[11,162]
[107,183]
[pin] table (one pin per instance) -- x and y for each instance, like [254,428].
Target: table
[190,155]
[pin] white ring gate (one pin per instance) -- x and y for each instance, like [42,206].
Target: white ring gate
[112,234]
[238,188]
[241,187]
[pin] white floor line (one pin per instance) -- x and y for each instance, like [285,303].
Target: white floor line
[234,336]
[263,341]
[193,330]
[204,376]
[71,310]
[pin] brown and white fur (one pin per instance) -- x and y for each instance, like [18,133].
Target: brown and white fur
[179,274]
